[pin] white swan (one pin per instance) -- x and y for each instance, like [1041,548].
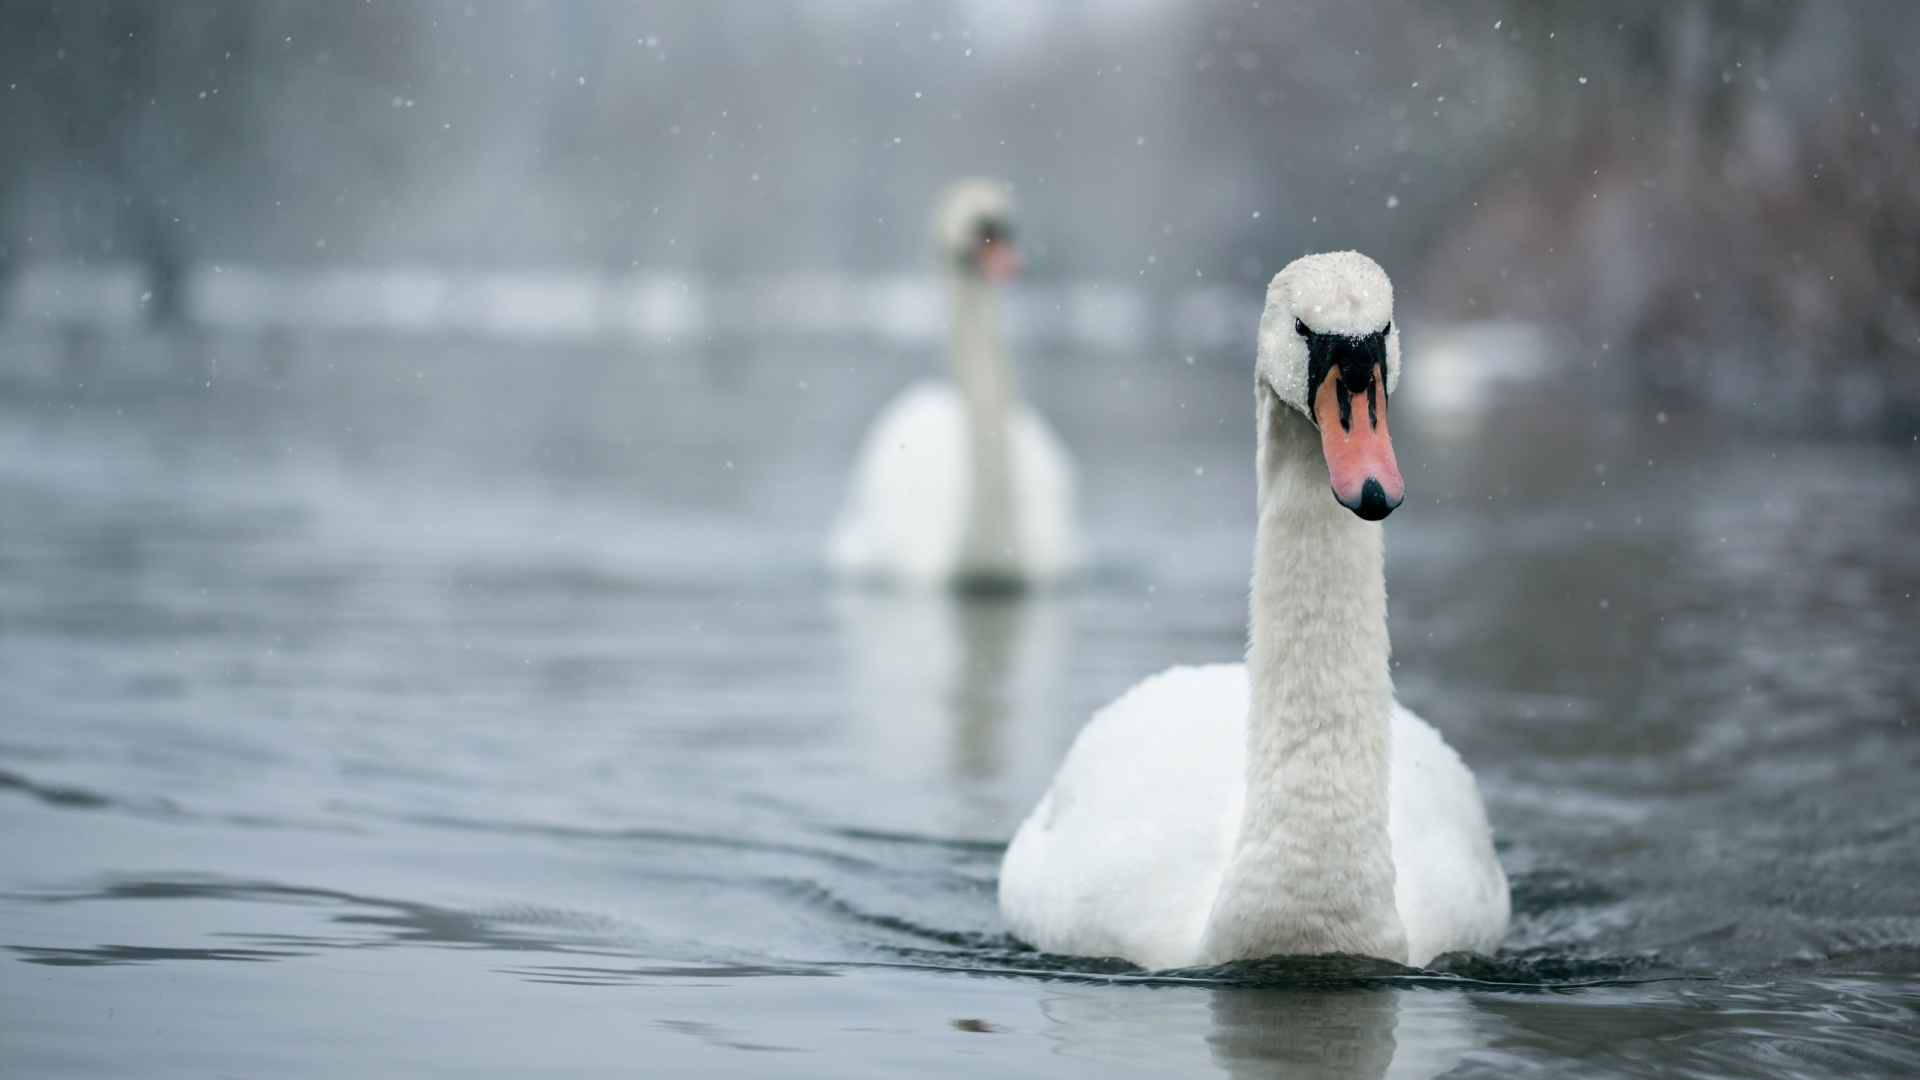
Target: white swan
[962,485]
[1288,806]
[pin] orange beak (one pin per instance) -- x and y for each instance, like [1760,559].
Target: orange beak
[999,260]
[1353,432]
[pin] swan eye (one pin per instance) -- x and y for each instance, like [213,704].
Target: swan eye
[1300,328]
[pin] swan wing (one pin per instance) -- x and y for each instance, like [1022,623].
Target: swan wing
[1124,853]
[1046,484]
[902,518]
[1448,884]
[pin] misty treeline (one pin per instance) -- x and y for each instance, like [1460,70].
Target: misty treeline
[1717,198]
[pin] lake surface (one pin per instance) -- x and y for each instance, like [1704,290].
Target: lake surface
[460,709]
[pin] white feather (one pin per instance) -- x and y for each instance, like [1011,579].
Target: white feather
[1124,854]
[905,514]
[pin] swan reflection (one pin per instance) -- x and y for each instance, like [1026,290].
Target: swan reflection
[955,693]
[1362,1033]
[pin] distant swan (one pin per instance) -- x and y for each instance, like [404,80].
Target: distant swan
[963,485]
[1289,806]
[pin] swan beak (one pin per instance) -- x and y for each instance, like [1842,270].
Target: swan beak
[1353,432]
[999,259]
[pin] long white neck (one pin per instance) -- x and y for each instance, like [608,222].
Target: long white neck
[1312,870]
[990,547]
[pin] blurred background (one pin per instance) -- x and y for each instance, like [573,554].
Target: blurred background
[628,172]
[420,423]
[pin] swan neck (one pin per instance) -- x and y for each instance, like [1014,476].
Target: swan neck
[1312,868]
[990,549]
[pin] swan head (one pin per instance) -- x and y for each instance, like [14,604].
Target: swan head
[1328,347]
[973,227]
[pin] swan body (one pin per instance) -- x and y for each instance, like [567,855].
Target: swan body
[1288,806]
[961,482]
[1101,868]
[905,515]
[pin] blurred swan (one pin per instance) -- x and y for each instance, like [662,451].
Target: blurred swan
[961,482]
[1287,806]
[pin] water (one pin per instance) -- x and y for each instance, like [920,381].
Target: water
[383,709]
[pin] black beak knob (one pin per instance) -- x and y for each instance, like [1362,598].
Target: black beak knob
[1374,504]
